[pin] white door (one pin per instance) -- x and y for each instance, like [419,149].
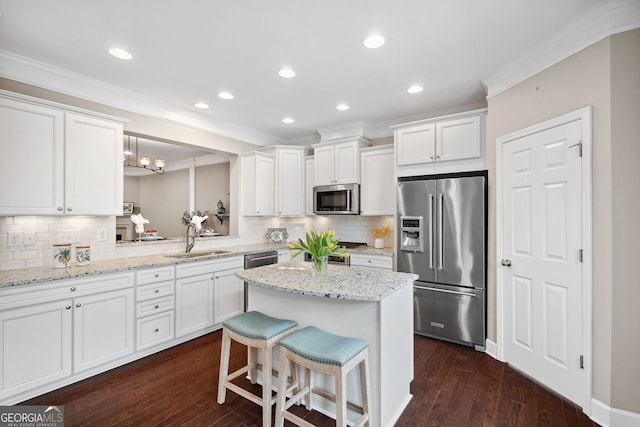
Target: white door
[194,304]
[542,240]
[228,295]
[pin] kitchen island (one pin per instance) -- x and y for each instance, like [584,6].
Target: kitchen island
[370,304]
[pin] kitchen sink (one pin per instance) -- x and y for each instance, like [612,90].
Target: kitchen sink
[197,254]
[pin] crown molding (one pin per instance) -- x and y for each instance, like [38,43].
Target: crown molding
[608,18]
[36,73]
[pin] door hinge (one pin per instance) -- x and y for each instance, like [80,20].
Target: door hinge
[581,255]
[581,362]
[579,145]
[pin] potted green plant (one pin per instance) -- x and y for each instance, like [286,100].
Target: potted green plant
[320,246]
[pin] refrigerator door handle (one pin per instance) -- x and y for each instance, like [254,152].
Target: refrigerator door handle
[431,239]
[427,288]
[440,236]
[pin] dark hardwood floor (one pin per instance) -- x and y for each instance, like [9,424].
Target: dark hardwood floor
[453,386]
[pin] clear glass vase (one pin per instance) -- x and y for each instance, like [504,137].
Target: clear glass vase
[319,265]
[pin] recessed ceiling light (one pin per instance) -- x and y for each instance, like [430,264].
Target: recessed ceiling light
[374,41]
[415,89]
[225,95]
[287,73]
[342,107]
[287,120]
[201,105]
[120,53]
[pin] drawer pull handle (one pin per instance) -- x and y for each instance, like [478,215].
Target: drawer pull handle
[68,307]
[156,330]
[369,261]
[73,289]
[78,305]
[156,275]
[156,306]
[156,290]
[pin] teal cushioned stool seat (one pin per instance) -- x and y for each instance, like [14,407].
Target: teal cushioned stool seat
[256,325]
[321,346]
[258,332]
[318,351]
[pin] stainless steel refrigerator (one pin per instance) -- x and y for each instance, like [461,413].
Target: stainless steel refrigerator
[442,223]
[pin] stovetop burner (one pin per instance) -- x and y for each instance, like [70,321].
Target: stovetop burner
[351,245]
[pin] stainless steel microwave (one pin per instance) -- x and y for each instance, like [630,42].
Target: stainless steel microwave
[339,199]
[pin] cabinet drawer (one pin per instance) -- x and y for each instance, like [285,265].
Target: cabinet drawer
[373,261]
[155,290]
[208,267]
[154,306]
[155,330]
[152,275]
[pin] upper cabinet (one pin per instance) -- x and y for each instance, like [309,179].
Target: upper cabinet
[257,184]
[57,160]
[377,190]
[452,143]
[289,179]
[338,162]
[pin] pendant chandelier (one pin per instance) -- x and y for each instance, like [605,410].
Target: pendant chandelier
[143,162]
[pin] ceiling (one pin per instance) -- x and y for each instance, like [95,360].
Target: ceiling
[188,52]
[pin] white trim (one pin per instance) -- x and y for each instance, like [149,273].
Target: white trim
[491,348]
[601,21]
[607,416]
[584,115]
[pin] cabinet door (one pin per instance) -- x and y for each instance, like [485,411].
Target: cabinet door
[310,172]
[194,304]
[323,156]
[290,182]
[377,189]
[458,139]
[93,166]
[284,255]
[228,295]
[36,346]
[347,163]
[415,144]
[31,136]
[103,328]
[257,185]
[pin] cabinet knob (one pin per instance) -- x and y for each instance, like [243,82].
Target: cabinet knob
[68,307]
[156,306]
[217,277]
[60,208]
[156,275]
[506,263]
[369,261]
[69,209]
[431,157]
[156,330]
[78,305]
[73,289]
[437,157]
[257,211]
[156,290]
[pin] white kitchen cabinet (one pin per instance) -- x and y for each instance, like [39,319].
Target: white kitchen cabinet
[36,346]
[289,179]
[444,139]
[338,162]
[284,255]
[309,183]
[257,184]
[194,303]
[59,161]
[372,261]
[103,328]
[155,304]
[228,295]
[378,187]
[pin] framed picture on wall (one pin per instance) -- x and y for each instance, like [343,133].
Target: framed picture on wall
[127,208]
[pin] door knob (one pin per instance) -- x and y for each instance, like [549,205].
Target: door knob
[506,262]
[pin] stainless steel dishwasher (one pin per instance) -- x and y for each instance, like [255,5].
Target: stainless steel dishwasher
[257,260]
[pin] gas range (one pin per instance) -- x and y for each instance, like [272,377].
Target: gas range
[340,259]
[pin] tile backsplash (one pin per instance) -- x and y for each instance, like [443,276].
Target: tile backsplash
[92,231]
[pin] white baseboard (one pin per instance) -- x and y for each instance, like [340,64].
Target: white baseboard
[607,416]
[491,348]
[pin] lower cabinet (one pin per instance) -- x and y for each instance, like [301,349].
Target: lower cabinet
[228,295]
[194,303]
[36,346]
[372,261]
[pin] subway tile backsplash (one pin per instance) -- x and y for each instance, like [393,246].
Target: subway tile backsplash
[48,230]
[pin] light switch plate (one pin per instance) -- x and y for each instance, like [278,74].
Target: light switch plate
[29,239]
[15,239]
[102,235]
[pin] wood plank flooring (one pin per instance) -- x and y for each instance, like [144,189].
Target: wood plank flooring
[453,386]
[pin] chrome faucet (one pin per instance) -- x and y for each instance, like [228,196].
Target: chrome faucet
[191,237]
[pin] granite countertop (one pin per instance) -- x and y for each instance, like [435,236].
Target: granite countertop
[341,282]
[24,276]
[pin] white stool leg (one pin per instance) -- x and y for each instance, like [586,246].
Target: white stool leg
[308,379]
[341,399]
[365,385]
[252,359]
[224,366]
[282,388]
[266,386]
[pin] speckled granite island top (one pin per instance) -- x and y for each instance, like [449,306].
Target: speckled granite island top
[351,283]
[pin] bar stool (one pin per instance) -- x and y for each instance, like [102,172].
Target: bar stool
[256,331]
[319,351]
